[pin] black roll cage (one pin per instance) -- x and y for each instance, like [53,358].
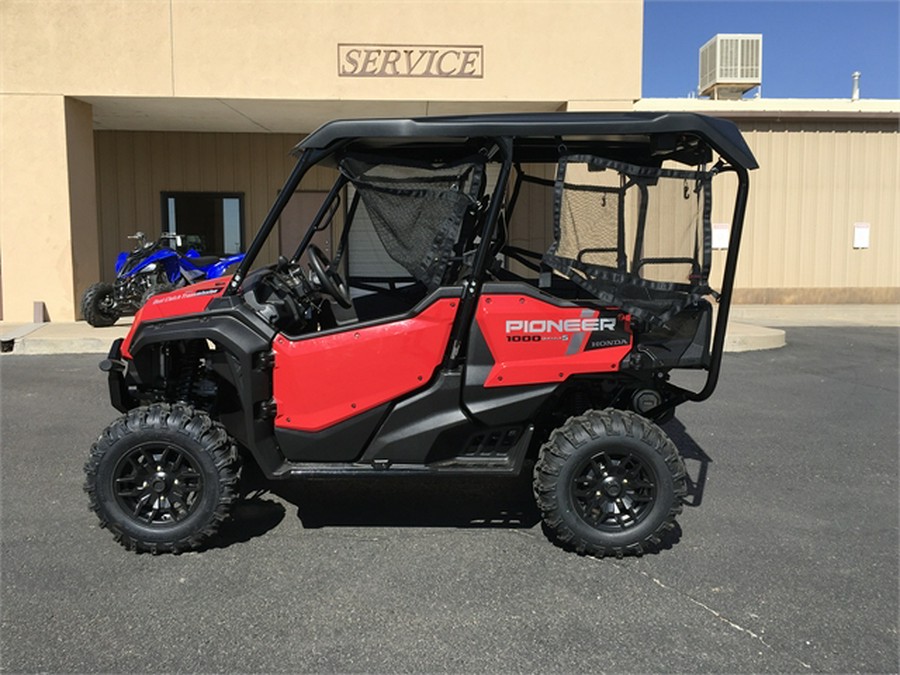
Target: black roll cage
[644,138]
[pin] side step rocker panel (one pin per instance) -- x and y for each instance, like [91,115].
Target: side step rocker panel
[430,432]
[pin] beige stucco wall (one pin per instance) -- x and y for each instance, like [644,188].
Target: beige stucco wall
[82,47]
[47,205]
[272,49]
[168,64]
[83,223]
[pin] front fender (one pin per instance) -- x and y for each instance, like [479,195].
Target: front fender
[120,261]
[242,343]
[190,300]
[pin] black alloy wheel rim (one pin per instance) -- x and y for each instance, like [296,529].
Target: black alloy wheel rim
[157,484]
[614,490]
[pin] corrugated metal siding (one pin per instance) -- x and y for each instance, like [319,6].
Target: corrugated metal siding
[815,181]
[134,168]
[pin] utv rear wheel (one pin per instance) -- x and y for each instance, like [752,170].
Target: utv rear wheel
[609,482]
[162,478]
[98,305]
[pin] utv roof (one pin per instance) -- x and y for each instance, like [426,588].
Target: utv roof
[652,135]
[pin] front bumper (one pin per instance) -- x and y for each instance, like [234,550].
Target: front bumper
[115,368]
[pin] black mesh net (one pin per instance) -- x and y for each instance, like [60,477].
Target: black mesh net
[589,219]
[636,237]
[417,210]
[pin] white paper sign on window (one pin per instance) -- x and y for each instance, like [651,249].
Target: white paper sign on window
[860,235]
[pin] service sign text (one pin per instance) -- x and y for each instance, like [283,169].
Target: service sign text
[361,60]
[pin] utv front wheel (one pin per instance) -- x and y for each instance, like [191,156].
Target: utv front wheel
[162,478]
[609,482]
[98,305]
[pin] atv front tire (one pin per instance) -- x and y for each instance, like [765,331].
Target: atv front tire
[162,478]
[609,482]
[98,305]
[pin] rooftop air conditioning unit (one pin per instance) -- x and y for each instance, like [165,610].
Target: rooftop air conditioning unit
[730,65]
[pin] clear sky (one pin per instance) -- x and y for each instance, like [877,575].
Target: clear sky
[810,47]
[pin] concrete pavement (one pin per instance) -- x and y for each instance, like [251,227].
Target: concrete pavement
[752,327]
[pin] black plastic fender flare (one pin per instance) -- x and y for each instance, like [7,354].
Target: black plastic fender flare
[246,340]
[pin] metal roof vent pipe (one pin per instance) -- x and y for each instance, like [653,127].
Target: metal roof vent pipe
[855,95]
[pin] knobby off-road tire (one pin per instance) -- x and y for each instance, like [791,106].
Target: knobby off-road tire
[609,482]
[162,478]
[98,305]
[155,290]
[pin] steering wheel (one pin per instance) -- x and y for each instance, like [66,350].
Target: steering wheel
[329,279]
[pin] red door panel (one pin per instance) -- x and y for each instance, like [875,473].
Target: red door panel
[535,342]
[319,382]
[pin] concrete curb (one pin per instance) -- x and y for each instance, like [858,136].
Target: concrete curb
[15,332]
[741,337]
[33,346]
[75,337]
[887,316]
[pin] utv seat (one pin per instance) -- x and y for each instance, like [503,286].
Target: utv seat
[203,261]
[376,298]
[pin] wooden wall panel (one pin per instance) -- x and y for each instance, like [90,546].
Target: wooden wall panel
[107,202]
[134,169]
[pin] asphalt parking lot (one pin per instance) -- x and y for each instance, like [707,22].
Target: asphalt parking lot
[786,559]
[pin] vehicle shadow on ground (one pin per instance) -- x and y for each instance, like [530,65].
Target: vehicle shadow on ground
[427,501]
[251,517]
[696,461]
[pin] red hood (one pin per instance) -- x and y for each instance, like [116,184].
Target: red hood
[188,300]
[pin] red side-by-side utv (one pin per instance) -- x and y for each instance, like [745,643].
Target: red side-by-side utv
[475,295]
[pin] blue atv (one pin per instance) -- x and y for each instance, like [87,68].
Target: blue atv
[152,267]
